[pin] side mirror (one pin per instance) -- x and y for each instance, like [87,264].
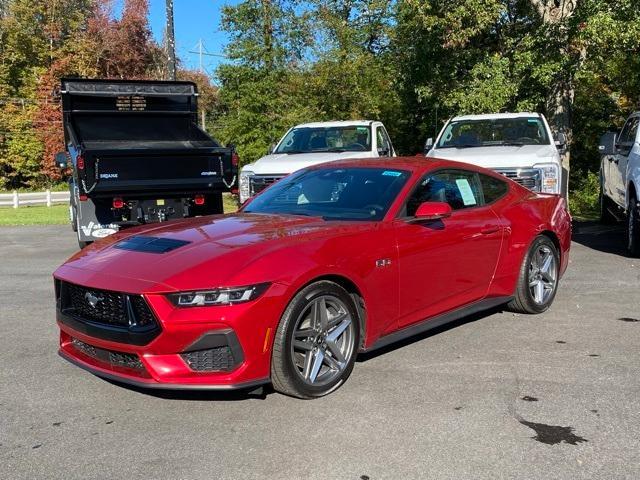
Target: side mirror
[433,211]
[607,144]
[427,145]
[61,160]
[561,142]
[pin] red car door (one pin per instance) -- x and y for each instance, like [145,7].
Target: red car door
[447,263]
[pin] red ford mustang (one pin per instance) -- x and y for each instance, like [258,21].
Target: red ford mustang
[334,260]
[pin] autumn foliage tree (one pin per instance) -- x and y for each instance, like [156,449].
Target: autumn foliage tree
[45,40]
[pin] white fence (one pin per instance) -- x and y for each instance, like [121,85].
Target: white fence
[47,198]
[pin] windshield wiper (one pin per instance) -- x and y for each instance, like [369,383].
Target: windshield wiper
[289,152]
[335,150]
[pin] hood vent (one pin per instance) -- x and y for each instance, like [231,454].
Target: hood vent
[140,243]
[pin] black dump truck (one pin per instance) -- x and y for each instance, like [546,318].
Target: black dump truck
[138,155]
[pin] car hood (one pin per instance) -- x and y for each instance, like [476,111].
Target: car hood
[499,157]
[220,248]
[283,164]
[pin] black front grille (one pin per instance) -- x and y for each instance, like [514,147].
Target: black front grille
[105,306]
[116,359]
[218,359]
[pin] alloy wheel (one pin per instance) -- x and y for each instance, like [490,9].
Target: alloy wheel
[543,275]
[323,340]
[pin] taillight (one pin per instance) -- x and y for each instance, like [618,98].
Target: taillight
[118,202]
[80,162]
[199,200]
[83,198]
[235,159]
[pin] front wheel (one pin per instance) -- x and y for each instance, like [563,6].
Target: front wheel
[316,342]
[538,278]
[633,228]
[606,216]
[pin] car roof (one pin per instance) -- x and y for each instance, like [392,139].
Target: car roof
[337,123]
[495,116]
[418,163]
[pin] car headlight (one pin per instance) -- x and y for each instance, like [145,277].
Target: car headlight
[549,177]
[221,296]
[245,190]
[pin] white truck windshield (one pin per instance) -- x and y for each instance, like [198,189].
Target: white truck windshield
[326,139]
[494,132]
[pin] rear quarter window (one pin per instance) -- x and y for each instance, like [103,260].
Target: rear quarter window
[493,188]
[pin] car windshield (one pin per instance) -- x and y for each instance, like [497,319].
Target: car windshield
[350,138]
[333,193]
[494,132]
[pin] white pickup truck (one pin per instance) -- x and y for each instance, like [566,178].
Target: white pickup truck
[312,143]
[520,146]
[620,179]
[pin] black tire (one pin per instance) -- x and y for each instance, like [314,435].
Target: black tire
[285,373]
[633,228]
[524,300]
[606,217]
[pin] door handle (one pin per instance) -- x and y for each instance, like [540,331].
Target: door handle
[489,230]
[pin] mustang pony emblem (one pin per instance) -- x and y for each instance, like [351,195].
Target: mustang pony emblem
[92,299]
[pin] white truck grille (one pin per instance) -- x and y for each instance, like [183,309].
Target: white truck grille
[527,177]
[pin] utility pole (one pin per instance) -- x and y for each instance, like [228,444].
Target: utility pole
[171,42]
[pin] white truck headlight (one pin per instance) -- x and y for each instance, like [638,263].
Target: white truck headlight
[222,296]
[245,188]
[549,177]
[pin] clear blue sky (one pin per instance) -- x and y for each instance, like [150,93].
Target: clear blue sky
[193,20]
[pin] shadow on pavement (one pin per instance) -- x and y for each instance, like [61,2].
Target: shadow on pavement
[363,357]
[604,238]
[256,393]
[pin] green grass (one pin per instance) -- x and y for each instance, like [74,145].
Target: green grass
[229,203]
[35,215]
[59,214]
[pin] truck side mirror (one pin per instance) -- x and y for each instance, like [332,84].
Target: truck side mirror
[427,145]
[607,144]
[61,160]
[561,142]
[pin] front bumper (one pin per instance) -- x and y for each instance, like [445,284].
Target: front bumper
[220,347]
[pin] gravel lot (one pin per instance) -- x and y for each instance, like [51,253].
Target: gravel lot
[494,396]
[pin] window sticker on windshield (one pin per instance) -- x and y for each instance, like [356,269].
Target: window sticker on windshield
[391,173]
[466,192]
[362,129]
[532,120]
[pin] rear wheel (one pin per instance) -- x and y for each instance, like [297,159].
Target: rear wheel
[633,228]
[316,342]
[538,279]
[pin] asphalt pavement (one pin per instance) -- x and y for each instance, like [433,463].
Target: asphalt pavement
[495,396]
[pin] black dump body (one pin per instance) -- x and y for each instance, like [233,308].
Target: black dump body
[139,135]
[139,155]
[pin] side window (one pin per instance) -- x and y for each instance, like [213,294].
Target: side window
[459,188]
[384,145]
[492,188]
[629,131]
[633,130]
